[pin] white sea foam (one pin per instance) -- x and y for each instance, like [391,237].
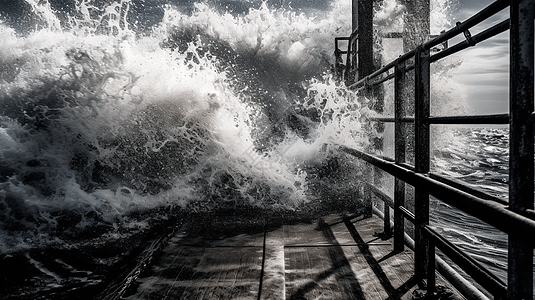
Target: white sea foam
[99,122]
[207,108]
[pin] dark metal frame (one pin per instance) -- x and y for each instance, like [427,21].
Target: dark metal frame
[515,217]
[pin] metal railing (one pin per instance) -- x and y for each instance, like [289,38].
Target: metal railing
[515,217]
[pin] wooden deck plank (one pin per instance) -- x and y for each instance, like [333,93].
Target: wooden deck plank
[316,266]
[303,233]
[397,267]
[326,259]
[370,284]
[197,268]
[311,276]
[273,278]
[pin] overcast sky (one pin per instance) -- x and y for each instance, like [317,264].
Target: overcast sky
[484,72]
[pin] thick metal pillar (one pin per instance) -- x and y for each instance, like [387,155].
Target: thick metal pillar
[416,30]
[365,41]
[399,153]
[521,93]
[421,159]
[416,27]
[362,66]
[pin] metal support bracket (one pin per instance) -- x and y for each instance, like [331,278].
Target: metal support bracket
[467,35]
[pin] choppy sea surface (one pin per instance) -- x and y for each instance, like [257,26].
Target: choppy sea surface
[121,121]
[478,157]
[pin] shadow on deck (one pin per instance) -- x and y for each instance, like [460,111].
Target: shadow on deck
[335,257]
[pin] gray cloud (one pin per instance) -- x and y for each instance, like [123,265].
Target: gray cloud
[485,69]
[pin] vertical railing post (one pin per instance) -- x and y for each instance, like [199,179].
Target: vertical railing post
[337,60]
[365,40]
[350,60]
[387,230]
[362,46]
[431,279]
[399,156]
[521,93]
[362,66]
[368,195]
[421,159]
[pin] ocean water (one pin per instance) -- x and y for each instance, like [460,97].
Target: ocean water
[478,157]
[119,119]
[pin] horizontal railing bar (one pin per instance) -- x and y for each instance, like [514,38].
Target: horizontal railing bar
[382,70]
[481,275]
[407,213]
[483,119]
[381,195]
[466,25]
[407,68]
[387,158]
[386,78]
[460,185]
[344,38]
[381,119]
[391,119]
[465,287]
[390,202]
[529,213]
[327,245]
[374,74]
[458,281]
[498,119]
[407,166]
[492,31]
[488,211]
[466,188]
[481,16]
[387,67]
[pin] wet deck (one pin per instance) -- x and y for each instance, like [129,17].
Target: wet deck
[333,258]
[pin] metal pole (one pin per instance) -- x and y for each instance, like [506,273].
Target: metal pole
[464,286]
[521,93]
[431,279]
[416,29]
[417,26]
[421,159]
[368,198]
[475,270]
[354,14]
[365,41]
[488,211]
[387,230]
[399,149]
